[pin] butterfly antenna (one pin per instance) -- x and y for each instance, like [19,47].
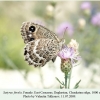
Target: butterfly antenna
[64,32]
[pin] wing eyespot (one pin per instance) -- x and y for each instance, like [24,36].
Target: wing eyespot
[32,28]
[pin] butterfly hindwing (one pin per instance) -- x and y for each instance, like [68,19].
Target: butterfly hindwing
[40,51]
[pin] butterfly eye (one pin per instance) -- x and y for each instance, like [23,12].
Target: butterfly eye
[32,28]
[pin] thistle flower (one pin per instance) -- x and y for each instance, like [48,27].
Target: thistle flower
[68,53]
[60,30]
[69,56]
[74,45]
[96,20]
[86,7]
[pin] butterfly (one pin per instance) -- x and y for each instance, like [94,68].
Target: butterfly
[42,45]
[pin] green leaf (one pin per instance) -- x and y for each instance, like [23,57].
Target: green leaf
[77,84]
[59,81]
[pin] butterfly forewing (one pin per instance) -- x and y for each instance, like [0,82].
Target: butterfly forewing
[31,31]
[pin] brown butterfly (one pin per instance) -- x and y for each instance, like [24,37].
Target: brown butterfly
[42,45]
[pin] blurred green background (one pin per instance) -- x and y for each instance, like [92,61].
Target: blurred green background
[52,14]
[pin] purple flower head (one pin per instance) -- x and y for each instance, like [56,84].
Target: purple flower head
[85,5]
[96,19]
[61,29]
[69,53]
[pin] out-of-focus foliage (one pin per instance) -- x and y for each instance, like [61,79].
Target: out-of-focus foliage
[52,14]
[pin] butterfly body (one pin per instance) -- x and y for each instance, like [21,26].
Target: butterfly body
[42,45]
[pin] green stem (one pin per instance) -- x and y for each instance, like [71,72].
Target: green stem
[66,80]
[69,78]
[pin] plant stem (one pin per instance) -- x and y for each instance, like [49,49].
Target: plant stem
[66,80]
[69,78]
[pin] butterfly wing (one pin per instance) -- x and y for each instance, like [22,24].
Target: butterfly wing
[40,51]
[31,31]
